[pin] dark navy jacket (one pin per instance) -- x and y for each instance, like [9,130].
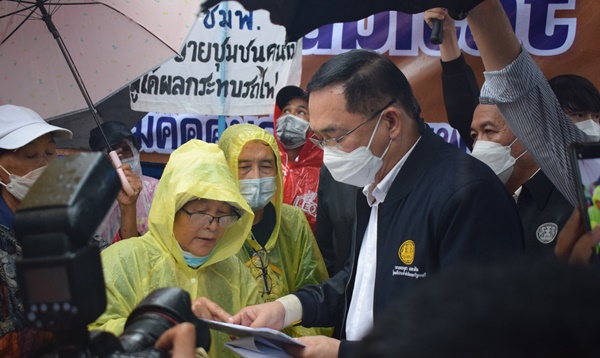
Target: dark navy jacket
[444,208]
[544,211]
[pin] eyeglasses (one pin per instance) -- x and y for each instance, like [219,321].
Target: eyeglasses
[260,260]
[330,142]
[201,219]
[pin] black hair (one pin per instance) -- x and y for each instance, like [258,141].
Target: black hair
[369,79]
[576,93]
[236,211]
[529,308]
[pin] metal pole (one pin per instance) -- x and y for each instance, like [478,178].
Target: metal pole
[47,18]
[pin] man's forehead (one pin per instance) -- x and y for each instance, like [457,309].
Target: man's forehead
[480,123]
[487,116]
[256,150]
[297,102]
[328,111]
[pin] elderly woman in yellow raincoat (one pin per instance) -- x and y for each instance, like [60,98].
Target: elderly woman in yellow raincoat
[197,223]
[287,257]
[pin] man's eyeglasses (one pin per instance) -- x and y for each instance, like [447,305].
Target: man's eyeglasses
[260,260]
[202,219]
[330,142]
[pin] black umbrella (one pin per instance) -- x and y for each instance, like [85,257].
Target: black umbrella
[300,17]
[117,107]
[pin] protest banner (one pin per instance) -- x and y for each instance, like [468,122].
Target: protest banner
[233,62]
[558,33]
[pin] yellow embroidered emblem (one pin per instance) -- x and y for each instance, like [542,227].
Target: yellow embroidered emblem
[406,252]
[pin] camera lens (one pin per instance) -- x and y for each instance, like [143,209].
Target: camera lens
[144,330]
[159,311]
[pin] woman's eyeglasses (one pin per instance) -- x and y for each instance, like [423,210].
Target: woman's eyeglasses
[260,260]
[202,219]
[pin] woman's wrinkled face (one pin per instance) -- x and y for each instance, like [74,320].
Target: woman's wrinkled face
[199,233]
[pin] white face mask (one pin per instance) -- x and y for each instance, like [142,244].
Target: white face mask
[591,128]
[19,185]
[358,167]
[497,157]
[291,131]
[258,192]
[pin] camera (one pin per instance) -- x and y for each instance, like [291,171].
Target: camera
[60,271]
[160,310]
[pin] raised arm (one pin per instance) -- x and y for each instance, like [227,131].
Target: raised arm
[459,85]
[518,87]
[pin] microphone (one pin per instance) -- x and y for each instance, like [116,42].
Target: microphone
[437,31]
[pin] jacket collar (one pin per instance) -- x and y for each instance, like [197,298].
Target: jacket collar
[540,188]
[416,163]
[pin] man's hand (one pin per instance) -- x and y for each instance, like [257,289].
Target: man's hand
[127,204]
[136,184]
[180,340]
[207,309]
[316,347]
[449,49]
[269,315]
[573,243]
[437,13]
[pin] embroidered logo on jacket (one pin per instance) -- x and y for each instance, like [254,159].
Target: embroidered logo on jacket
[546,232]
[406,252]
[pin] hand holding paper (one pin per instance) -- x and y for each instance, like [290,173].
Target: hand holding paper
[256,342]
[270,314]
[207,309]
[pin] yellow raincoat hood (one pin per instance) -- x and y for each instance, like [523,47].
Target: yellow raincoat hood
[135,267]
[232,142]
[294,259]
[197,170]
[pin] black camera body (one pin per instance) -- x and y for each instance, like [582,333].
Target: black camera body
[160,310]
[60,272]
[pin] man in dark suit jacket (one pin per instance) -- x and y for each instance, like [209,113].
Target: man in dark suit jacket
[425,205]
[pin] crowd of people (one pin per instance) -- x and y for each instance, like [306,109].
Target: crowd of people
[353,227]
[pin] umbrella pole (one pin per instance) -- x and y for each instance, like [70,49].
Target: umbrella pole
[47,18]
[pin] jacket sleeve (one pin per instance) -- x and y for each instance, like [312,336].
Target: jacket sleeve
[461,96]
[534,114]
[324,227]
[347,348]
[476,224]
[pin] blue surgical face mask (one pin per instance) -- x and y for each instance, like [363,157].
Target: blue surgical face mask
[194,261]
[258,192]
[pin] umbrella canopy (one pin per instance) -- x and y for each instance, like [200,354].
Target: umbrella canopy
[110,42]
[117,107]
[300,17]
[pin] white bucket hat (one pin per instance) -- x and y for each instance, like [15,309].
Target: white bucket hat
[20,125]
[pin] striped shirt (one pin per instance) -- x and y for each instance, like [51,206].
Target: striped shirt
[533,113]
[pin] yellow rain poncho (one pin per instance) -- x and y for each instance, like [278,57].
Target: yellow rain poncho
[293,255]
[135,267]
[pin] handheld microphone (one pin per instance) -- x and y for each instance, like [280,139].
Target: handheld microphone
[437,31]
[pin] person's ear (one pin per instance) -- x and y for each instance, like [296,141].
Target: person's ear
[393,120]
